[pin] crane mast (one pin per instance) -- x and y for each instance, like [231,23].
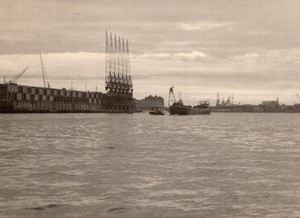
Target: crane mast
[45,79]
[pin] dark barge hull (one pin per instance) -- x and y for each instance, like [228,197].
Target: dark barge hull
[188,110]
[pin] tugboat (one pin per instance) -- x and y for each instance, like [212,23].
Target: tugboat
[179,108]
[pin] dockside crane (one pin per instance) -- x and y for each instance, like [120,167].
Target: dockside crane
[45,79]
[232,98]
[172,98]
[15,79]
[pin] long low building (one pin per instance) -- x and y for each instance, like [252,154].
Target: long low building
[20,98]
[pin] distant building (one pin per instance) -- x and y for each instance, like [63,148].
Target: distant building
[150,103]
[297,107]
[270,106]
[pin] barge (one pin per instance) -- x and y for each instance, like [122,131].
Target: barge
[181,109]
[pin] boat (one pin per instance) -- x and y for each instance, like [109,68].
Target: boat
[180,109]
[156,112]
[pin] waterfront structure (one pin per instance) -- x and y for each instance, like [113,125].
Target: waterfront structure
[270,106]
[150,103]
[264,107]
[19,98]
[237,108]
[118,82]
[117,99]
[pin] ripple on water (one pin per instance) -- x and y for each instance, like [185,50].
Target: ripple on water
[231,165]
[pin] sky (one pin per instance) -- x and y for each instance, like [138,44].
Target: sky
[249,49]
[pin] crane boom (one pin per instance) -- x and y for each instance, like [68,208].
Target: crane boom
[45,79]
[14,80]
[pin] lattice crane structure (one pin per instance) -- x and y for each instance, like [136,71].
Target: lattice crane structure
[117,67]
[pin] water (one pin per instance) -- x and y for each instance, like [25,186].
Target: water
[137,165]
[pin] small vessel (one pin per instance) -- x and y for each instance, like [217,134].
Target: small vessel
[179,108]
[156,112]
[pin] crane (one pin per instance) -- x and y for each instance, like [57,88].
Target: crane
[218,100]
[45,79]
[16,77]
[171,96]
[232,98]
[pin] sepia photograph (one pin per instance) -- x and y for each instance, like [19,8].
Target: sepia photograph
[149,108]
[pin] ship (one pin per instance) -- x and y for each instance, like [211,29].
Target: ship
[179,108]
[16,98]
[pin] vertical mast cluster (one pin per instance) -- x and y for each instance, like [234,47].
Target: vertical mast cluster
[117,66]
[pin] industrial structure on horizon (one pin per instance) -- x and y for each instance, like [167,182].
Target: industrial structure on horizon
[119,91]
[265,106]
[118,85]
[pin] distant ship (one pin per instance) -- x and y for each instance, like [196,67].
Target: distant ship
[179,108]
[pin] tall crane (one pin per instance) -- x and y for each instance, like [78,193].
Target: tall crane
[45,79]
[16,77]
[172,98]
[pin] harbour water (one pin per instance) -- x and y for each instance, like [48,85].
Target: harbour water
[137,165]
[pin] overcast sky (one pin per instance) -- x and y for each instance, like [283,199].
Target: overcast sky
[250,48]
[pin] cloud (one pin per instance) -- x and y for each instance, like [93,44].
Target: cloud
[250,55]
[205,26]
[154,55]
[194,55]
[176,56]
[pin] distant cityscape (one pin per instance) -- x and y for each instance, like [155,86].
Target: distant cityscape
[119,92]
[264,106]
